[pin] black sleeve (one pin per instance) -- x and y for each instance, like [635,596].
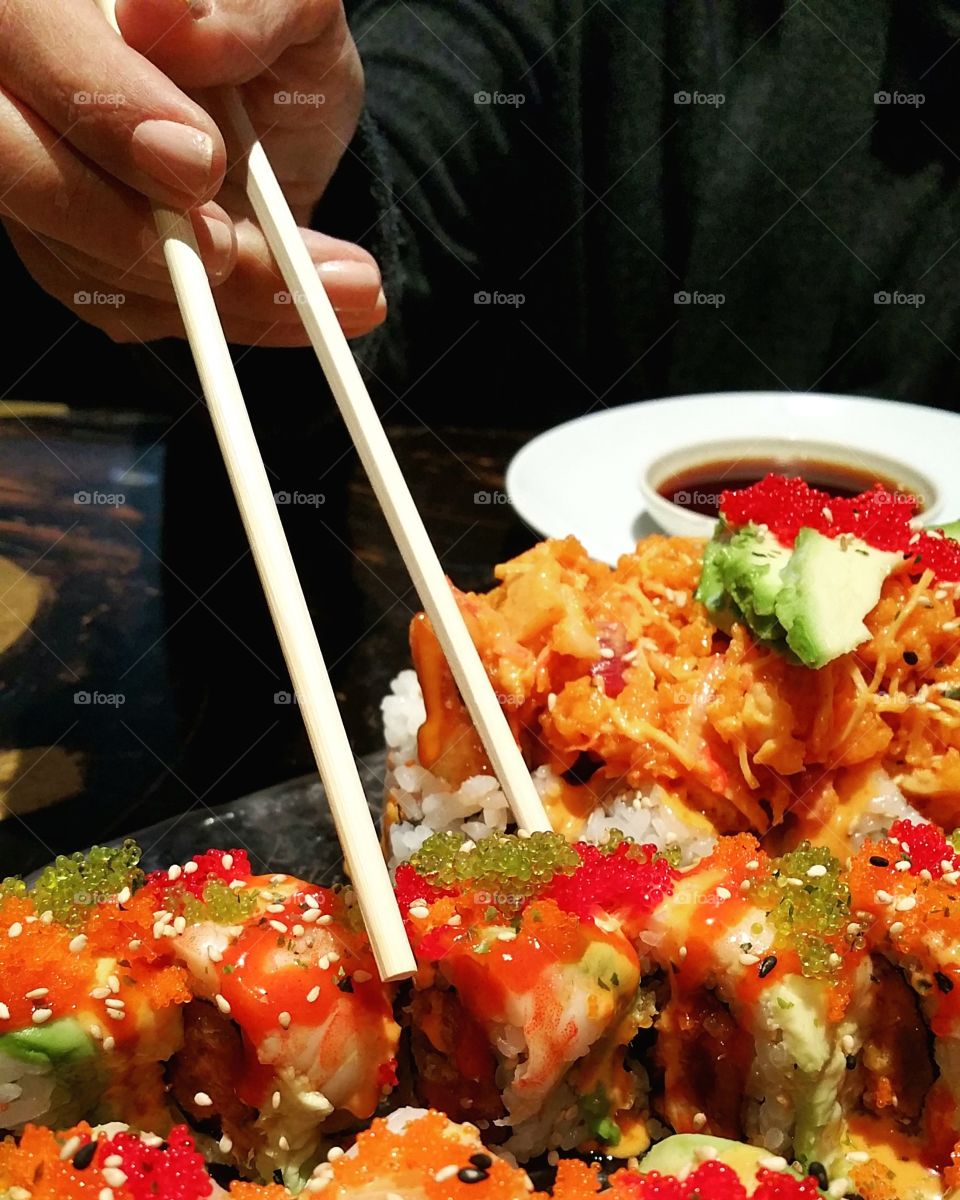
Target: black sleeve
[446,178]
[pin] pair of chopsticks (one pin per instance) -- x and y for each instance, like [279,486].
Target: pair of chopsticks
[278,574]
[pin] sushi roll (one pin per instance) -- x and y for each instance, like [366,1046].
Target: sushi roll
[767,993]
[907,901]
[528,1001]
[114,1164]
[290,1034]
[89,1013]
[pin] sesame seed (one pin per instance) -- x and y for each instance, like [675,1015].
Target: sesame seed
[278,926]
[507,935]
[446,1173]
[682,952]
[951,877]
[114,1004]
[419,912]
[903,865]
[114,1177]
[227,861]
[906,903]
[847,1043]
[773,1162]
[4,1013]
[38,994]
[223,1004]
[175,872]
[275,1100]
[113,983]
[897,927]
[298,931]
[69,1148]
[334,1153]
[15,930]
[179,924]
[316,1101]
[105,1194]
[202,1100]
[46,917]
[857,1156]
[456,919]
[78,944]
[283,1143]
[42,1015]
[724,893]
[793,881]
[214,954]
[116,1014]
[325,919]
[883,897]
[191,868]
[278,879]
[109,1043]
[853,928]
[817,871]
[745,885]
[749,960]
[362,976]
[699,1120]
[313,995]
[113,1160]
[236,885]
[100,993]
[753,864]
[311,900]
[284,1019]
[275,908]
[324,963]
[225,1144]
[134,944]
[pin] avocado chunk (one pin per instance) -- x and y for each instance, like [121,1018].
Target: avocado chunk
[829,586]
[742,577]
[950,530]
[53,1073]
[678,1153]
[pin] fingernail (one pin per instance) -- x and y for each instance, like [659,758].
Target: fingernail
[348,274]
[218,254]
[178,156]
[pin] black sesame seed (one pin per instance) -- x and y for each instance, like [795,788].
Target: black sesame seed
[483,1161]
[278,1177]
[767,966]
[877,860]
[819,1173]
[910,658]
[84,1156]
[853,1196]
[944,982]
[471,1175]
[345,984]
[851,1062]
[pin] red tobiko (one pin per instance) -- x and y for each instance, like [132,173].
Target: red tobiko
[411,886]
[881,518]
[173,1170]
[628,881]
[925,847]
[712,1180]
[222,865]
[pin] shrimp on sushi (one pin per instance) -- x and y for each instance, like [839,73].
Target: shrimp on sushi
[290,1034]
[528,994]
[89,1012]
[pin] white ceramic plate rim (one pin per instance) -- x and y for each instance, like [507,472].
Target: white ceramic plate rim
[583,477]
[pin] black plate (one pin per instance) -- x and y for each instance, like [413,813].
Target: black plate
[286,828]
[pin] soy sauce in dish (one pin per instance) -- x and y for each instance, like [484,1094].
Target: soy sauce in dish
[697,488]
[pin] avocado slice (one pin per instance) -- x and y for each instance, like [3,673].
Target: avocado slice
[678,1153]
[950,530]
[830,584]
[742,577]
[56,1072]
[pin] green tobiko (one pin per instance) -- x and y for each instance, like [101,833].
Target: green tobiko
[525,864]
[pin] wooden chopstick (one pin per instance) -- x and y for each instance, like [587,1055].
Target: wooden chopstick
[281,584]
[379,461]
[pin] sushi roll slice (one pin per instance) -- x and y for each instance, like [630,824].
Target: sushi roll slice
[907,900]
[89,1012]
[529,993]
[114,1164]
[290,1034]
[766,997]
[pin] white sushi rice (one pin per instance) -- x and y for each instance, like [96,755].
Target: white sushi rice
[478,807]
[887,806]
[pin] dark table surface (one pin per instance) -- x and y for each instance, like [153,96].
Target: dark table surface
[139,675]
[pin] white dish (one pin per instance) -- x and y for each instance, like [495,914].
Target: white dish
[584,477]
